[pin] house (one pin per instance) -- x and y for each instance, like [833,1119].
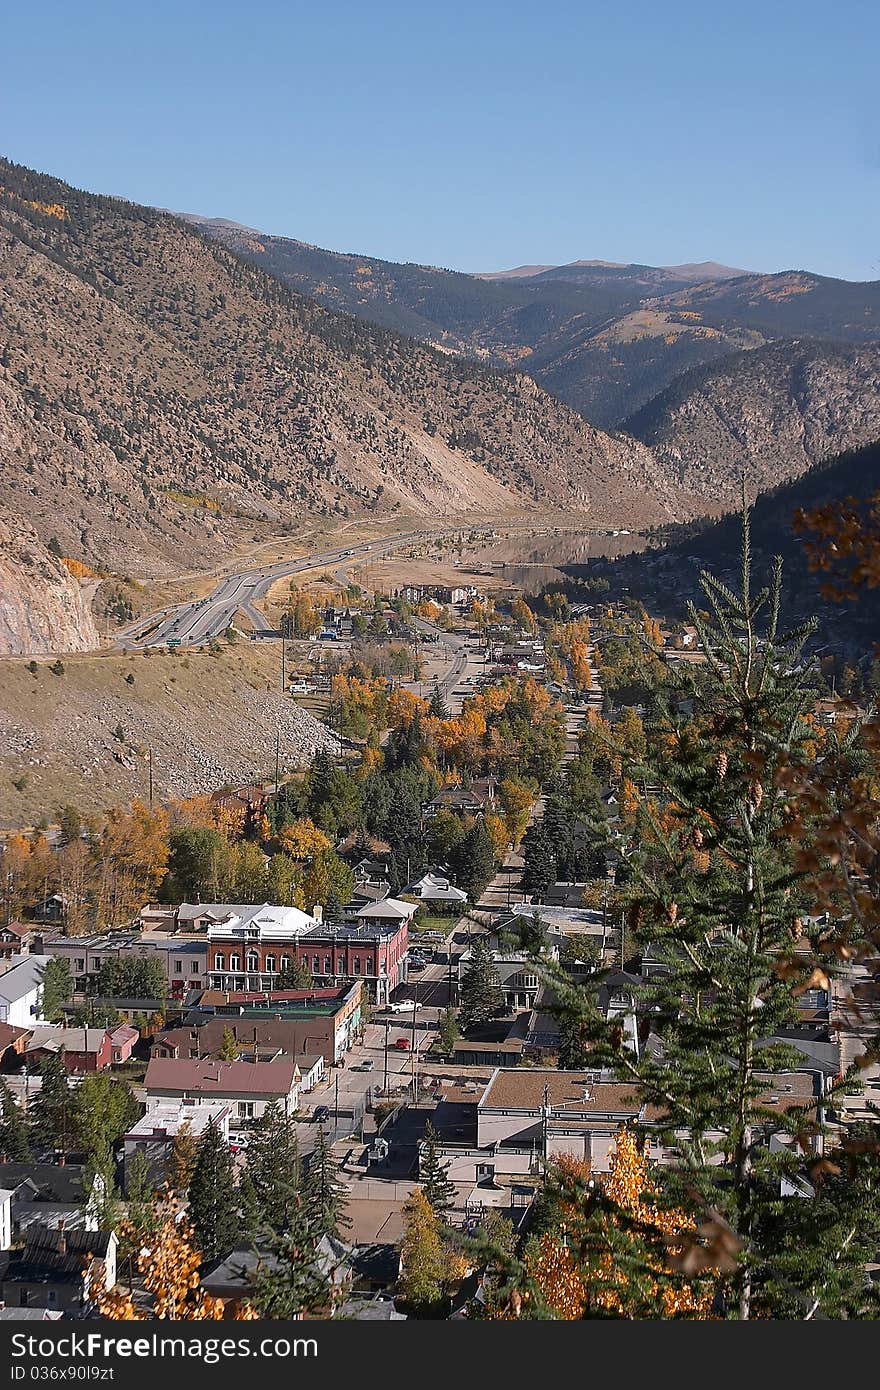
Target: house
[311,1070]
[21,991]
[155,1132]
[51,1194]
[123,1039]
[474,800]
[80,1049]
[232,1278]
[437,890]
[16,938]
[246,1087]
[51,910]
[57,1268]
[12,1041]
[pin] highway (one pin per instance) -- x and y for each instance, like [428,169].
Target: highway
[199,621]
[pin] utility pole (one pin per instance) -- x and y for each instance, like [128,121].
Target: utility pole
[277,757]
[413,1048]
[385,1078]
[336,1107]
[283,645]
[150,766]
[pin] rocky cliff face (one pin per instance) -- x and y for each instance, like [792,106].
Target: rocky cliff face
[765,416]
[42,607]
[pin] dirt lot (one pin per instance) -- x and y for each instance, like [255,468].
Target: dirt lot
[83,736]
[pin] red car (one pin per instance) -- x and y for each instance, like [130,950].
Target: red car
[401,1044]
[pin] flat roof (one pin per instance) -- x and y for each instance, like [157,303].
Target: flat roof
[525,1088]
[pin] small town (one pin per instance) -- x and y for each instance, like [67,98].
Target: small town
[439,684]
[328,1032]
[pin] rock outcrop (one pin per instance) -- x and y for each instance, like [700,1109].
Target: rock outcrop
[42,607]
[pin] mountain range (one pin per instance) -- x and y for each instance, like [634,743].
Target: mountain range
[605,338]
[171,387]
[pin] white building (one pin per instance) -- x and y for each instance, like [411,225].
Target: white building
[21,991]
[155,1132]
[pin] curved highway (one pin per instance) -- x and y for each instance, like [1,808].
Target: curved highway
[202,619]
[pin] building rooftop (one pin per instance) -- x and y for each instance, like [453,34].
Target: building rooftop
[392,908]
[207,1076]
[530,1088]
[165,1120]
[24,975]
[50,1037]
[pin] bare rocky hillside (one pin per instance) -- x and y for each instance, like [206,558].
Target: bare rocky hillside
[161,395]
[766,416]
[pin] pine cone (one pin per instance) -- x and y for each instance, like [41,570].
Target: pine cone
[721,766]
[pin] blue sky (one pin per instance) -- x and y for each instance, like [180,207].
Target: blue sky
[473,135]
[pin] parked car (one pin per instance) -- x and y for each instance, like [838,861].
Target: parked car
[321,1113]
[404,1006]
[367,1065]
[402,1044]
[416,964]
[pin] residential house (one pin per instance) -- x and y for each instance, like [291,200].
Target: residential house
[58,1269]
[51,910]
[123,1039]
[80,1049]
[21,991]
[51,1194]
[13,1042]
[16,938]
[246,1087]
[437,891]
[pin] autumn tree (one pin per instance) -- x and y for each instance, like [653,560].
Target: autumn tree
[169,1261]
[421,1256]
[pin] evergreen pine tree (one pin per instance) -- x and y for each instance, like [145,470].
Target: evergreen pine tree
[14,1138]
[50,1113]
[290,1280]
[437,705]
[213,1200]
[481,995]
[273,1169]
[228,1046]
[717,889]
[473,860]
[324,1195]
[434,1174]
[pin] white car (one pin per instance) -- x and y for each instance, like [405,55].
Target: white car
[404,1006]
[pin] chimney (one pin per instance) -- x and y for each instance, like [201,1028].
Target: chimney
[318,912]
[62,1238]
